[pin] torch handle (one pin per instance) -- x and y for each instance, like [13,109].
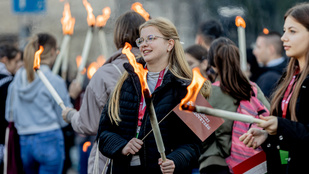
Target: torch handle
[63,50]
[50,89]
[156,131]
[242,47]
[86,49]
[102,38]
[227,115]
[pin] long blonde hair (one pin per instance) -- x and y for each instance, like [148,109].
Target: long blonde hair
[177,64]
[44,39]
[300,13]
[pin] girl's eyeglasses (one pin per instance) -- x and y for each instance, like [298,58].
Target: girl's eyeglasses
[148,39]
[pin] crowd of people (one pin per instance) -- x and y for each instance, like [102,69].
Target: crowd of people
[116,112]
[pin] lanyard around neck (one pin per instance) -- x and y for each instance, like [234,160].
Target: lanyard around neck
[142,104]
[287,96]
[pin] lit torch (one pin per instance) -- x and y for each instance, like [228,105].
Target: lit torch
[138,8]
[86,145]
[101,22]
[36,67]
[67,28]
[265,31]
[142,74]
[94,66]
[188,103]
[91,23]
[241,25]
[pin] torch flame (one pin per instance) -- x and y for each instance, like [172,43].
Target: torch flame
[138,8]
[138,68]
[67,21]
[37,58]
[92,68]
[101,60]
[193,89]
[102,19]
[239,21]
[90,16]
[86,145]
[265,31]
[78,62]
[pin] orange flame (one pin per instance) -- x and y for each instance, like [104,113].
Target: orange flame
[138,68]
[101,60]
[92,68]
[67,21]
[90,16]
[193,88]
[102,19]
[265,31]
[239,21]
[138,8]
[37,58]
[78,62]
[86,145]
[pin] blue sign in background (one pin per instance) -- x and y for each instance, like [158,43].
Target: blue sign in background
[29,6]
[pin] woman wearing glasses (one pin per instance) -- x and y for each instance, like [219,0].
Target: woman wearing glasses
[125,120]
[86,120]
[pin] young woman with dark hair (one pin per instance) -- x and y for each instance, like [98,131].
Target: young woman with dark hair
[230,87]
[285,137]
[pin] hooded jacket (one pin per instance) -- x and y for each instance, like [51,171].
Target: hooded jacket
[32,106]
[86,121]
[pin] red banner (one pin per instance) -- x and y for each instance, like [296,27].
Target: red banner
[202,125]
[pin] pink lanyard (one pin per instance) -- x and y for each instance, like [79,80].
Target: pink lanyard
[287,96]
[142,105]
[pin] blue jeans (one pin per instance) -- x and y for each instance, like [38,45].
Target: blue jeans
[43,153]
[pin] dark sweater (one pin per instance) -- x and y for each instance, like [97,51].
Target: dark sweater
[5,81]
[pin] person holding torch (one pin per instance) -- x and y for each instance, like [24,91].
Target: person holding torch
[125,119]
[230,88]
[37,116]
[86,120]
[285,136]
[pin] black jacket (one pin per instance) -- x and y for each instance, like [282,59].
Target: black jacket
[267,81]
[5,81]
[291,136]
[181,145]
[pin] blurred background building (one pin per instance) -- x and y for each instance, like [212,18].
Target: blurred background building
[23,18]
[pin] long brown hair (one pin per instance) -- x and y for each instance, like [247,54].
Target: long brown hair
[127,29]
[224,55]
[48,42]
[300,13]
[177,64]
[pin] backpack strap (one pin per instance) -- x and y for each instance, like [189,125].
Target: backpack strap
[116,67]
